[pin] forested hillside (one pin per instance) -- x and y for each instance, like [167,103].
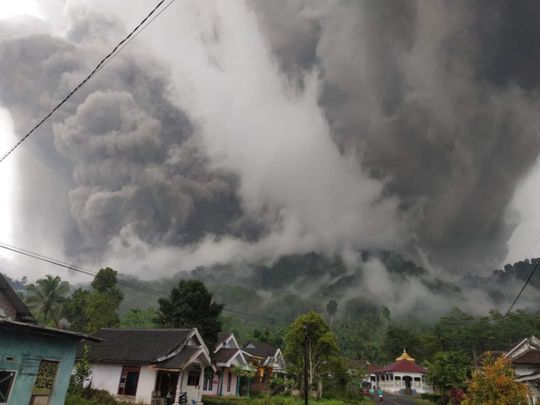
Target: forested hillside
[261,299]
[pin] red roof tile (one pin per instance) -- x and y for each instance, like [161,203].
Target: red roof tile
[403,366]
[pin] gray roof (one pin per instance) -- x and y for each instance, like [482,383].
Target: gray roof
[22,313]
[180,359]
[223,355]
[142,346]
[260,350]
[44,330]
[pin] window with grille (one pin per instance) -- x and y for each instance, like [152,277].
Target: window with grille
[7,378]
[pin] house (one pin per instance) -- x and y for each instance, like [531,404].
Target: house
[403,376]
[525,358]
[35,361]
[151,365]
[267,361]
[228,358]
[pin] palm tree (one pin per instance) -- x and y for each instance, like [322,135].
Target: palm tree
[46,296]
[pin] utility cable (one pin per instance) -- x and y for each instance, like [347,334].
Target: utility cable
[117,49]
[524,286]
[126,283]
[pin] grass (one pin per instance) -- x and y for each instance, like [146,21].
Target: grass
[421,401]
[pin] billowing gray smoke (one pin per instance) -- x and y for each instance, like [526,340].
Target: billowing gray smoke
[439,98]
[262,128]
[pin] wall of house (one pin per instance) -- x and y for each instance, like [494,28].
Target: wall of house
[106,377]
[147,383]
[193,392]
[26,350]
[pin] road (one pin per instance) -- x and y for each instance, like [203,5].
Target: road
[390,399]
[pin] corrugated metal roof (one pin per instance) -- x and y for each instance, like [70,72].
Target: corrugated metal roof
[30,327]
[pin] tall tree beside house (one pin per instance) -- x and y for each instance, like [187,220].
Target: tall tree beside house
[191,305]
[331,308]
[322,347]
[495,384]
[46,297]
[91,310]
[449,370]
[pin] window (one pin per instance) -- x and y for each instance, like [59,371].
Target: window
[229,378]
[44,382]
[6,383]
[129,380]
[193,378]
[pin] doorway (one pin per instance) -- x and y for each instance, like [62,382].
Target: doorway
[166,383]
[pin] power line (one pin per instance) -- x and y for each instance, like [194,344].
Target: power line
[115,51]
[524,286]
[126,283]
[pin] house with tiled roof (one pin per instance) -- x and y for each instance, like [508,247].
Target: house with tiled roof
[230,363]
[267,361]
[525,358]
[404,375]
[35,360]
[151,366]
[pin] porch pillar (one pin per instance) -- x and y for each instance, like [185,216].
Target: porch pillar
[179,386]
[201,383]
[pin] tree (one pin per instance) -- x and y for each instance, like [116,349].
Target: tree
[322,348]
[398,338]
[46,296]
[190,305]
[494,384]
[89,311]
[448,370]
[331,308]
[138,318]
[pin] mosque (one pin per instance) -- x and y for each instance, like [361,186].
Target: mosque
[402,376]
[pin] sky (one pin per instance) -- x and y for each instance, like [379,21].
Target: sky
[247,130]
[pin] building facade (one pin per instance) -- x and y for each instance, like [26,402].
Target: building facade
[403,376]
[35,361]
[150,366]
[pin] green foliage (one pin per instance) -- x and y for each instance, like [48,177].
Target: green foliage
[138,318]
[190,305]
[82,369]
[89,311]
[45,298]
[91,396]
[331,307]
[275,400]
[495,384]
[272,337]
[449,370]
[323,352]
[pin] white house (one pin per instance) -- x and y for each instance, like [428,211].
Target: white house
[227,358]
[404,376]
[149,365]
[525,358]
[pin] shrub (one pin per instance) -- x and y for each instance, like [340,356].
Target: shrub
[431,397]
[209,400]
[90,396]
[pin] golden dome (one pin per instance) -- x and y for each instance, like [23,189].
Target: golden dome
[405,356]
